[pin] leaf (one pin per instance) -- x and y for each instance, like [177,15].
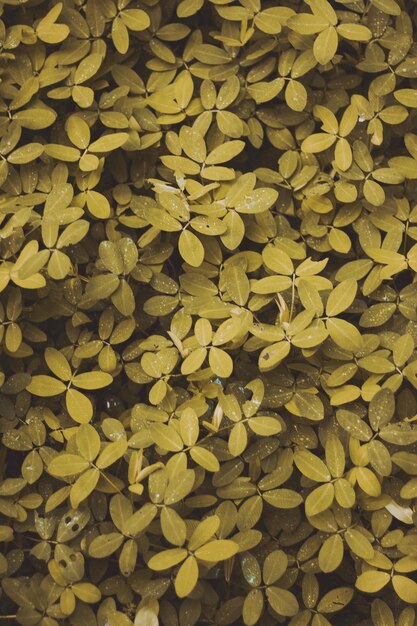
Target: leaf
[111,453]
[319,500]
[193,144]
[26,154]
[135,19]
[282,601]
[88,441]
[237,284]
[220,362]
[265,426]
[140,520]
[317,142]
[343,154]
[258,201]
[238,439]
[193,361]
[331,554]
[325,45]
[104,545]
[274,566]
[187,577]
[35,118]
[180,488]
[78,131]
[217,550]
[92,380]
[78,406]
[86,69]
[204,458]
[272,355]
[344,334]
[191,248]
[359,544]
[166,559]
[277,260]
[335,600]
[166,437]
[295,95]
[405,588]
[372,581]
[58,364]
[354,32]
[311,466]
[67,465]
[173,527]
[341,297]
[283,498]
[84,486]
[87,592]
[109,142]
[225,152]
[45,386]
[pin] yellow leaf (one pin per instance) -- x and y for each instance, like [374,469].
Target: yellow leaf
[87,592]
[296,95]
[193,361]
[272,355]
[187,577]
[344,334]
[83,486]
[204,532]
[135,19]
[97,204]
[225,152]
[354,32]
[191,248]
[311,465]
[341,297]
[92,380]
[282,601]
[120,35]
[86,69]
[372,581]
[238,439]
[220,362]
[217,550]
[325,45]
[319,500]
[78,131]
[205,458]
[45,386]
[88,441]
[104,545]
[111,453]
[166,559]
[78,406]
[405,588]
[109,142]
[331,554]
[58,364]
[317,142]
[67,465]
[343,154]
[26,154]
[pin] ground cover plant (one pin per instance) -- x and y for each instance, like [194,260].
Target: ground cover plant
[208,312]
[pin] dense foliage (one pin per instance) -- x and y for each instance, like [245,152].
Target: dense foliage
[208,307]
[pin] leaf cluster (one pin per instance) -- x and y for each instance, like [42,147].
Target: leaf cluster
[208,312]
